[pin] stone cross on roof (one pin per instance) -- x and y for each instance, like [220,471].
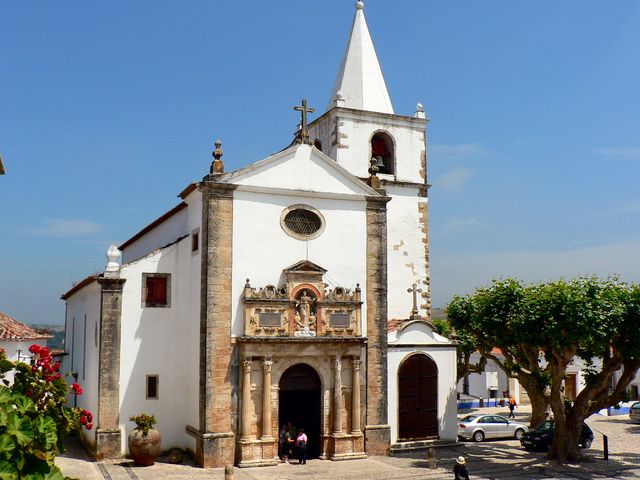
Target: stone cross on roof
[415,313]
[303,135]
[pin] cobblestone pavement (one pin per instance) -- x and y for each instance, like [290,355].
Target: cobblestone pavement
[503,459]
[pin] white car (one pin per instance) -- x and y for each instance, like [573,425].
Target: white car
[634,412]
[479,427]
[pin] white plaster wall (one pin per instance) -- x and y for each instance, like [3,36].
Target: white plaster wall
[405,250]
[445,359]
[165,233]
[261,248]
[164,342]
[82,350]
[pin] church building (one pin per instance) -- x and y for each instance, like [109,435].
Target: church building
[295,289]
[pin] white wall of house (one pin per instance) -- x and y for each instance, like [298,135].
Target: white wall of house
[479,382]
[419,337]
[162,341]
[81,345]
[19,350]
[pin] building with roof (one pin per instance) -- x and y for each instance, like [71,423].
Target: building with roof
[16,338]
[264,296]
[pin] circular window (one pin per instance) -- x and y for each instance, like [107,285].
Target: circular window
[302,222]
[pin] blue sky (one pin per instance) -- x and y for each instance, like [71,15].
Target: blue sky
[108,110]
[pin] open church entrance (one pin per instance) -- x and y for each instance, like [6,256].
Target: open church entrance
[418,398]
[299,403]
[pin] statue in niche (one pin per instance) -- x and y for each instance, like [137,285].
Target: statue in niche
[305,318]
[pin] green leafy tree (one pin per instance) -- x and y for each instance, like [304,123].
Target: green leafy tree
[34,418]
[541,328]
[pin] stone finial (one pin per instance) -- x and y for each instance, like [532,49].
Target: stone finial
[338,100]
[420,111]
[359,5]
[374,181]
[217,167]
[113,266]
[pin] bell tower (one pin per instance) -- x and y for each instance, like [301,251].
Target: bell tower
[359,125]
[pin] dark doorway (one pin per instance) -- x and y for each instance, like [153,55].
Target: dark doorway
[418,398]
[299,403]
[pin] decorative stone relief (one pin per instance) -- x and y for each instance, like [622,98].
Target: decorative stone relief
[302,307]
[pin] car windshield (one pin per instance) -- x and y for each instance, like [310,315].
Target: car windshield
[469,418]
[545,427]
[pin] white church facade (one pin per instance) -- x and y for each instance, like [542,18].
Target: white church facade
[266,295]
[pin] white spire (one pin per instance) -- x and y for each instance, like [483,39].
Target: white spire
[360,78]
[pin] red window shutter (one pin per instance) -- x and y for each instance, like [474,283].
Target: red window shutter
[156,291]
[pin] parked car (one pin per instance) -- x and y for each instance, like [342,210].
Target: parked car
[479,427]
[634,412]
[541,438]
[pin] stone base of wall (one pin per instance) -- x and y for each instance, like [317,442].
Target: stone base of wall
[347,447]
[258,453]
[377,439]
[213,450]
[108,443]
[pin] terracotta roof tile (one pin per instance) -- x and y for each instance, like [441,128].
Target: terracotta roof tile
[11,329]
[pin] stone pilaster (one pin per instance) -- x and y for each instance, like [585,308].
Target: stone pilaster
[108,434]
[266,400]
[337,396]
[355,397]
[245,421]
[377,430]
[215,437]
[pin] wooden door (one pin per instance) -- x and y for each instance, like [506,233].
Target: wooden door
[417,398]
[570,386]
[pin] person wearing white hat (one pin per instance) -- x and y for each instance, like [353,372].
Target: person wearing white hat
[460,469]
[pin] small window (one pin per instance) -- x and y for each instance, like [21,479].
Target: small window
[195,241]
[302,222]
[156,290]
[152,387]
[382,150]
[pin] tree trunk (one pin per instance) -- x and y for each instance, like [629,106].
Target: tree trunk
[539,401]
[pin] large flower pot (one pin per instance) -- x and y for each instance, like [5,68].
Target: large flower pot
[144,449]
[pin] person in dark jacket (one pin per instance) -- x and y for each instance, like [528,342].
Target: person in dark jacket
[460,469]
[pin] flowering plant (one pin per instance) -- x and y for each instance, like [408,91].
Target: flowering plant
[143,422]
[34,418]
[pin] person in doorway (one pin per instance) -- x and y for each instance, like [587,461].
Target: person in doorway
[301,445]
[460,469]
[287,443]
[512,406]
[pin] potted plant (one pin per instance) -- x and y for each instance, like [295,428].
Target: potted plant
[144,440]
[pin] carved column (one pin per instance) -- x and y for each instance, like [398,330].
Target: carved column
[246,399]
[266,399]
[337,395]
[355,397]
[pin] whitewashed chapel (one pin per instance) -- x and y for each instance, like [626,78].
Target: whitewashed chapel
[294,289]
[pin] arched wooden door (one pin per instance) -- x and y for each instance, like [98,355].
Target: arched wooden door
[417,398]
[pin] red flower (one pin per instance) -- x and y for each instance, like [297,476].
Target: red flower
[77,389]
[83,420]
[35,348]
[57,376]
[44,352]
[89,426]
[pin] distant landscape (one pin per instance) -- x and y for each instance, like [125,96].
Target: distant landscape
[57,342]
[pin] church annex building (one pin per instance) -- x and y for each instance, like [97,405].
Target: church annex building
[293,289]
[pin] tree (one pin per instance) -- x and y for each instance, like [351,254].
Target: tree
[541,328]
[34,418]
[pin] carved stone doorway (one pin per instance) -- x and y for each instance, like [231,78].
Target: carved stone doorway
[299,403]
[418,398]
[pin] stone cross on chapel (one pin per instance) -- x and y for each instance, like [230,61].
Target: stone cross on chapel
[415,313]
[303,135]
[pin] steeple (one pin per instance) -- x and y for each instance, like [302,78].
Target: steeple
[360,84]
